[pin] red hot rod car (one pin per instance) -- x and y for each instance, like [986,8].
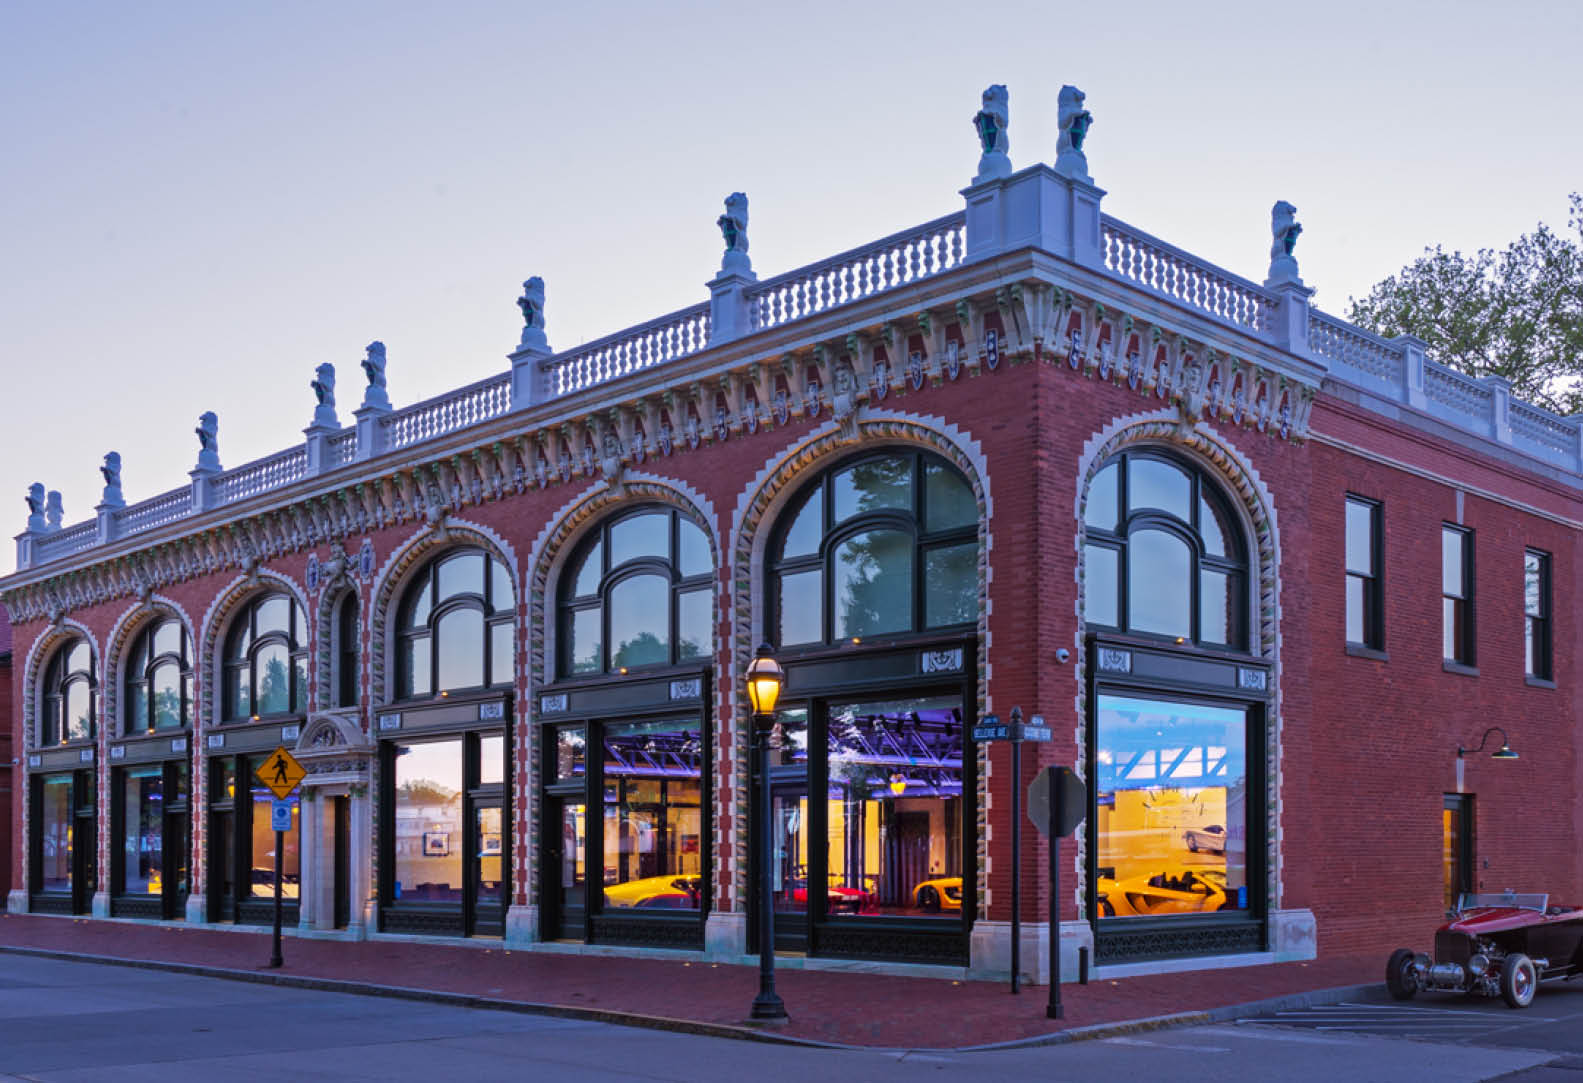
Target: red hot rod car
[1502,944]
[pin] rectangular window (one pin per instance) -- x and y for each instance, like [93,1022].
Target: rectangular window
[1456,594]
[55,829]
[1172,796]
[428,830]
[1365,593]
[653,833]
[1536,610]
[142,826]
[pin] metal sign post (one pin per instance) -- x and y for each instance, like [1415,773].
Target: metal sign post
[1016,731]
[281,773]
[1057,803]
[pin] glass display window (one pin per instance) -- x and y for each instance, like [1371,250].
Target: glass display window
[428,821]
[261,884]
[143,826]
[893,809]
[55,833]
[1171,807]
[652,842]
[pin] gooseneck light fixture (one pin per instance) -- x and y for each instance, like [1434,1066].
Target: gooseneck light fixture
[764,679]
[1503,753]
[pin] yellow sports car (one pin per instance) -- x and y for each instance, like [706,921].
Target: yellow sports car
[656,893]
[1176,890]
[933,896]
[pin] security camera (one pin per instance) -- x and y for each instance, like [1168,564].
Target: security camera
[1062,654]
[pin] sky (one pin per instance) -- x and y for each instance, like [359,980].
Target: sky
[201,202]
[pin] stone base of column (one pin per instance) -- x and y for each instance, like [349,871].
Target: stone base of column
[101,904]
[16,902]
[989,950]
[1294,934]
[725,935]
[522,926]
[197,912]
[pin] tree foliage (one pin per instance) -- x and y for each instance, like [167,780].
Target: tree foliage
[1517,313]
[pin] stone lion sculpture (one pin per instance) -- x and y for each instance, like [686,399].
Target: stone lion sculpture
[323,384]
[1283,230]
[992,120]
[373,364]
[208,432]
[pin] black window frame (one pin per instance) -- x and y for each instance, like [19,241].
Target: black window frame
[1373,581]
[348,652]
[57,681]
[832,534]
[297,652]
[142,647]
[569,605]
[1203,488]
[240,906]
[1538,653]
[427,580]
[1462,635]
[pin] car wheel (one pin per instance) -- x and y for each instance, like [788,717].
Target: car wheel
[1400,978]
[1192,844]
[1106,909]
[929,900]
[1519,980]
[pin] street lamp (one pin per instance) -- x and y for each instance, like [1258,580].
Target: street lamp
[765,678]
[1503,753]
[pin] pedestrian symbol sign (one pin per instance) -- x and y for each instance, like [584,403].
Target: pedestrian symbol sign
[281,772]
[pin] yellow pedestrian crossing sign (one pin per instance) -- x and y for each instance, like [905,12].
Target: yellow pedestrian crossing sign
[281,772]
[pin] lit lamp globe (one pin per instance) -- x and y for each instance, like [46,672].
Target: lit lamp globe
[765,678]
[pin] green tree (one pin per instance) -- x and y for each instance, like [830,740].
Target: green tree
[1517,313]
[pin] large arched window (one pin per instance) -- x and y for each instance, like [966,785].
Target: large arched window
[1162,554]
[638,591]
[266,660]
[886,544]
[454,626]
[158,684]
[69,691]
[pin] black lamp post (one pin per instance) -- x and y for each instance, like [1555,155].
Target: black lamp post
[765,678]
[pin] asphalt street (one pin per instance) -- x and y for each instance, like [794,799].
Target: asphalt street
[64,1021]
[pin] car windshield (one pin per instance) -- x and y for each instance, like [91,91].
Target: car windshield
[1508,899]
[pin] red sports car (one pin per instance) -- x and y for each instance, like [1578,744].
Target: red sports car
[1502,945]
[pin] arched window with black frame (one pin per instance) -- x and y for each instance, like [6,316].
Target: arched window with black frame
[637,592]
[455,627]
[1162,554]
[266,660]
[347,651]
[158,679]
[882,545]
[69,695]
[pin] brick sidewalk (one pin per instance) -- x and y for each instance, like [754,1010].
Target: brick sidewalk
[846,1008]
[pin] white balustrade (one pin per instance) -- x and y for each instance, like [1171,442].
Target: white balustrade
[63,543]
[1353,346]
[1149,262]
[342,449]
[447,413]
[261,475]
[162,509]
[1543,428]
[1460,395]
[897,260]
[633,350]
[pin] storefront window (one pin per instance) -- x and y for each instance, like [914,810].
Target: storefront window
[1172,825]
[653,827]
[570,753]
[263,882]
[895,807]
[56,832]
[428,835]
[143,825]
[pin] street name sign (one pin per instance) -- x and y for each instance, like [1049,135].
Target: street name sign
[991,728]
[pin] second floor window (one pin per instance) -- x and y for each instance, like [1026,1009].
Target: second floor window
[1365,596]
[69,691]
[1536,613]
[638,591]
[159,679]
[1162,554]
[266,660]
[1456,594]
[455,627]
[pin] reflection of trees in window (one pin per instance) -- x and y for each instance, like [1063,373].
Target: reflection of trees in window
[456,625]
[638,591]
[158,678]
[1162,554]
[887,544]
[69,692]
[266,660]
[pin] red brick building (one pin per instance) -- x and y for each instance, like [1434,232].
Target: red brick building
[1264,575]
[8,770]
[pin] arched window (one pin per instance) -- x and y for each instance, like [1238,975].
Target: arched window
[1162,554]
[455,626]
[158,684]
[70,689]
[886,544]
[266,660]
[638,591]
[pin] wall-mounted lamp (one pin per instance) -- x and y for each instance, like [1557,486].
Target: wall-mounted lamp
[1503,753]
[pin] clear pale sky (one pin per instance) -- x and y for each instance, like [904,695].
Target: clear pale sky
[200,202]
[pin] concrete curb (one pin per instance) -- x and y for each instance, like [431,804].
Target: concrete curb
[745,1032]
